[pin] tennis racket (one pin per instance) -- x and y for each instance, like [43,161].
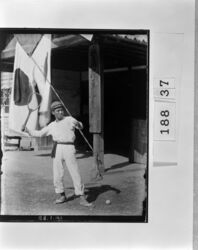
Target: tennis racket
[33,104]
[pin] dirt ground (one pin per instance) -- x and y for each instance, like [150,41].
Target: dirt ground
[27,186]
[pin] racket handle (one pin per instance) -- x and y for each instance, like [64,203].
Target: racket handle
[26,120]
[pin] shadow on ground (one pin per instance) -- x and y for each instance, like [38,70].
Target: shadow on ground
[119,165]
[93,192]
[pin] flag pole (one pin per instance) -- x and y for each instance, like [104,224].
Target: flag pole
[55,92]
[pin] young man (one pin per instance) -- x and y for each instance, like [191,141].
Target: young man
[62,131]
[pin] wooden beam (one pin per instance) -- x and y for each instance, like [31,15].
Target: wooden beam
[98,154]
[139,67]
[96,104]
[95,83]
[125,69]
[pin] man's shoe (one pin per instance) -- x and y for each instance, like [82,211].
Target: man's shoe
[61,199]
[84,202]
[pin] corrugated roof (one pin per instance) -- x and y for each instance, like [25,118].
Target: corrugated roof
[142,39]
[70,51]
[30,41]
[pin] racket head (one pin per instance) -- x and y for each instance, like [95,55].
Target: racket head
[34,101]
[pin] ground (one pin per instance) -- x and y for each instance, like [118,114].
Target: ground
[27,186]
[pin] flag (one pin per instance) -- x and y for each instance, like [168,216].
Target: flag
[42,77]
[22,92]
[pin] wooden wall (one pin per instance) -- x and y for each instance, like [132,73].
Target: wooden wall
[67,85]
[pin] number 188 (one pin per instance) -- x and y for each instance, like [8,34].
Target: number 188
[164,122]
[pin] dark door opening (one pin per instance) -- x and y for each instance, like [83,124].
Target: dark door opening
[124,101]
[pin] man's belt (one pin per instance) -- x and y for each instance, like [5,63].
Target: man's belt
[53,153]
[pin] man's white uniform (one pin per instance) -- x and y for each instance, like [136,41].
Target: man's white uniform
[63,132]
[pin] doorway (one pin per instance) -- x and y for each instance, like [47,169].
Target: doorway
[124,101]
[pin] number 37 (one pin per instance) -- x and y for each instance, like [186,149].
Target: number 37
[164,92]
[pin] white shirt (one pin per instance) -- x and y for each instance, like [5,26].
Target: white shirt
[61,131]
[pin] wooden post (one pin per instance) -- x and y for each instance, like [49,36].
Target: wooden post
[96,104]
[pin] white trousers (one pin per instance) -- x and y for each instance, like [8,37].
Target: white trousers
[65,155]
